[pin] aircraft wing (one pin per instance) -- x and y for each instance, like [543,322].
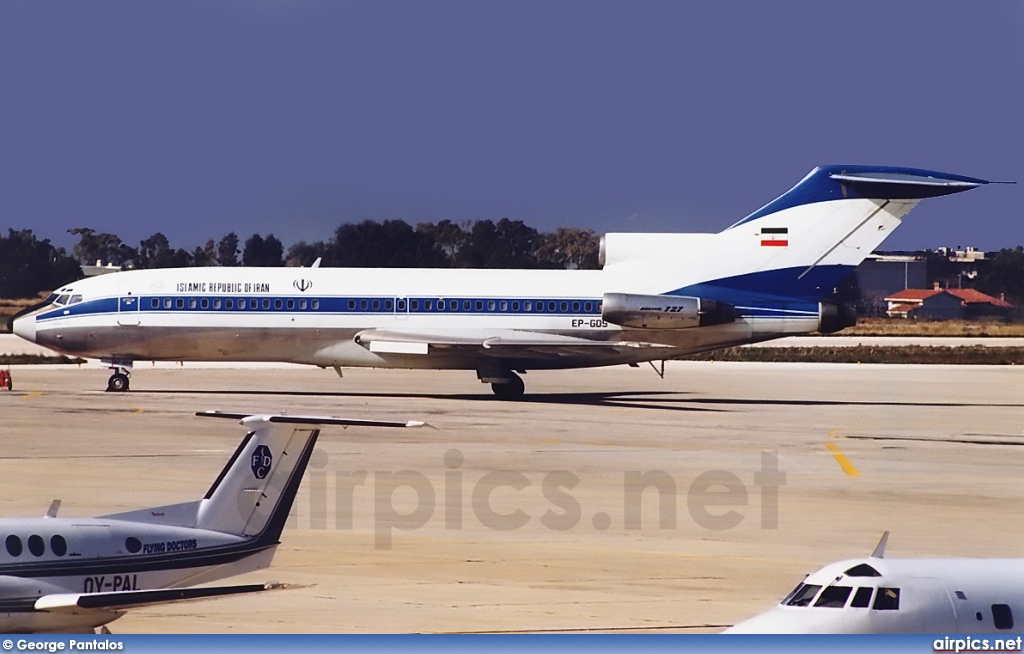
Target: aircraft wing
[122,600]
[496,343]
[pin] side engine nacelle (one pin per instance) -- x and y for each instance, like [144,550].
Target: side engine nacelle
[664,311]
[832,317]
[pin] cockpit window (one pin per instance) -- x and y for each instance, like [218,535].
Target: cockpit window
[803,595]
[75,299]
[834,597]
[862,570]
[887,599]
[862,598]
[62,300]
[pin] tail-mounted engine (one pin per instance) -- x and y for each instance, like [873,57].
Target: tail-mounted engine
[664,311]
[832,317]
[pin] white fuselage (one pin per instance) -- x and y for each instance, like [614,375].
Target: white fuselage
[941,596]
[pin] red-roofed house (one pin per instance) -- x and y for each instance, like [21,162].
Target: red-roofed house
[945,304]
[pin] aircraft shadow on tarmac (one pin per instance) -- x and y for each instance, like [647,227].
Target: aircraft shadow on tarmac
[657,400]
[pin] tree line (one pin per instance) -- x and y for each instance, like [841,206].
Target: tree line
[29,266]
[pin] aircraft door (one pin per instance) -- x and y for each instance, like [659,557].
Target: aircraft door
[930,604]
[401,308]
[129,304]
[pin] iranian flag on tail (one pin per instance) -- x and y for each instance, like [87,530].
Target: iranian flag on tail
[774,237]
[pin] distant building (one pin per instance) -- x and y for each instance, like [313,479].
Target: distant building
[100,269]
[881,275]
[945,304]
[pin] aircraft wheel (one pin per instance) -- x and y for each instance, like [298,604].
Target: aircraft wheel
[118,383]
[511,390]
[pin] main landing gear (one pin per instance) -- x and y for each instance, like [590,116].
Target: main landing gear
[118,382]
[513,389]
[507,385]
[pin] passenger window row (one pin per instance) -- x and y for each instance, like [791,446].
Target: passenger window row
[403,305]
[36,545]
[235,304]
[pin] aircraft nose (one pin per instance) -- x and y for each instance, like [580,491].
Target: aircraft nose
[25,327]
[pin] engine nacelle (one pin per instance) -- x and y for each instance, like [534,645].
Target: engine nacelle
[832,317]
[664,311]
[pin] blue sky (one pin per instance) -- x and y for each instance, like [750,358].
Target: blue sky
[196,118]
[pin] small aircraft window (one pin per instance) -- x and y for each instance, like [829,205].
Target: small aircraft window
[515,305]
[503,306]
[887,599]
[792,593]
[862,570]
[316,305]
[588,306]
[575,306]
[527,306]
[132,544]
[302,305]
[862,598]
[167,303]
[216,303]
[351,305]
[563,306]
[58,545]
[453,305]
[36,545]
[389,305]
[179,303]
[415,305]
[13,545]
[291,304]
[440,305]
[490,305]
[1002,616]
[804,595]
[229,303]
[599,306]
[363,305]
[75,299]
[466,305]
[155,303]
[834,597]
[277,304]
[428,305]
[192,303]
[254,304]
[204,303]
[540,306]
[375,304]
[551,306]
[266,304]
[479,305]
[401,305]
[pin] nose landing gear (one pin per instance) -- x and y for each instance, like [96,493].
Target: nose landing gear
[118,382]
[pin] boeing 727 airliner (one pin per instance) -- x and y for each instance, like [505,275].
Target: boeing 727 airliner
[657,296]
[875,595]
[66,575]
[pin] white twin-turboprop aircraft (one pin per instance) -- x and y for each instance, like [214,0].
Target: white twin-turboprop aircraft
[875,595]
[67,575]
[657,296]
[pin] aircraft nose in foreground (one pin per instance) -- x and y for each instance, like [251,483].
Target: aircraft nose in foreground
[24,326]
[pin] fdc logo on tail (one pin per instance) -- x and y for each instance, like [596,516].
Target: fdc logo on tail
[261,461]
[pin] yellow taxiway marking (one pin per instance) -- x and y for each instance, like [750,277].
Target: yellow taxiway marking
[844,463]
[25,397]
[135,411]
